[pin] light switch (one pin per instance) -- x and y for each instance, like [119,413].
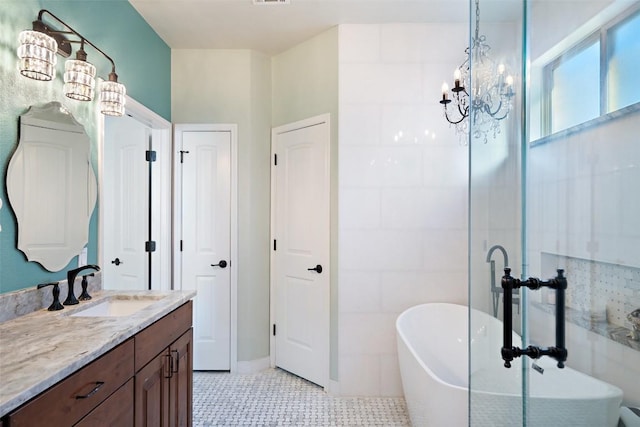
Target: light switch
[82,257]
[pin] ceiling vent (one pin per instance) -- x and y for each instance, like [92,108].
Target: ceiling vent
[261,2]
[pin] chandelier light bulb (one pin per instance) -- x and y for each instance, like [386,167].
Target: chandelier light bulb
[457,75]
[445,91]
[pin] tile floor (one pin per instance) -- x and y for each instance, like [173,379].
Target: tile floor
[277,398]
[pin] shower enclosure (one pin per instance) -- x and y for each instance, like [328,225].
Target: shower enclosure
[556,186]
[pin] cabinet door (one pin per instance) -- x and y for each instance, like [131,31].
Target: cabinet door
[181,386]
[158,336]
[116,411]
[152,393]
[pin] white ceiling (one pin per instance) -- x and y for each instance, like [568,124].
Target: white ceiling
[269,28]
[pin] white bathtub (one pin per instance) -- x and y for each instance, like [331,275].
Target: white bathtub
[434,365]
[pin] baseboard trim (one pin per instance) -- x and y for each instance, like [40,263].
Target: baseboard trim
[333,388]
[253,366]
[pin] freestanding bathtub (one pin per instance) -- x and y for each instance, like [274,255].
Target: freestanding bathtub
[434,366]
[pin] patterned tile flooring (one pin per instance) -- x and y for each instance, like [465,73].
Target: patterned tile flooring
[277,398]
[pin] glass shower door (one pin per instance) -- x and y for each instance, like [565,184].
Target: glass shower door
[557,189]
[496,394]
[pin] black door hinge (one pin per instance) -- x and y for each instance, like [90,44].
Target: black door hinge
[150,155]
[275,159]
[274,244]
[150,246]
[274,329]
[180,245]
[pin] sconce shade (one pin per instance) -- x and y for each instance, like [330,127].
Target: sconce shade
[37,55]
[112,98]
[79,79]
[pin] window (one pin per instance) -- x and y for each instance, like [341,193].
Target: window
[596,77]
[623,59]
[575,88]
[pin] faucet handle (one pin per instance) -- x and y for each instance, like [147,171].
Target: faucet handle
[84,296]
[55,305]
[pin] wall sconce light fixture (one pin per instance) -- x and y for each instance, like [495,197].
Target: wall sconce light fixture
[37,60]
[491,97]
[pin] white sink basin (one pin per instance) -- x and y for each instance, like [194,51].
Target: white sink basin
[115,307]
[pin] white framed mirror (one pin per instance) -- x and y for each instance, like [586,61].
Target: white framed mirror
[51,186]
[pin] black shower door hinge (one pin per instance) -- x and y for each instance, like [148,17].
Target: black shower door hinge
[274,244]
[274,329]
[150,156]
[150,246]
[275,160]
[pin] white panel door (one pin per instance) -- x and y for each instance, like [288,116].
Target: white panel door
[206,233]
[126,204]
[302,249]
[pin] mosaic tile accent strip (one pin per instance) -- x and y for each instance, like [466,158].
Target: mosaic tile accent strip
[276,398]
[600,295]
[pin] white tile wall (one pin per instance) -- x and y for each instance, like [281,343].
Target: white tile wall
[584,205]
[584,186]
[402,193]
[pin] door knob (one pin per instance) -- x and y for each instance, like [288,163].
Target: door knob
[221,264]
[116,261]
[317,269]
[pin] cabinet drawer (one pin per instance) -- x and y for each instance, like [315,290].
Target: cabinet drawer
[116,411]
[67,402]
[155,338]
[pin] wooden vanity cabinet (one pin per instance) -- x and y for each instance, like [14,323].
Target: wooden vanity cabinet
[70,400]
[117,410]
[164,382]
[145,381]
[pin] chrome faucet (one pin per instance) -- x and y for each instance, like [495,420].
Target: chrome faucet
[501,249]
[71,278]
[497,290]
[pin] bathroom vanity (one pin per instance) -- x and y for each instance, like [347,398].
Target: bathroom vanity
[84,367]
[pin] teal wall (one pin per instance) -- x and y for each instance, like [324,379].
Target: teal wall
[143,65]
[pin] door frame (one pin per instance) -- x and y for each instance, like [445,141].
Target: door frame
[177,203]
[161,187]
[311,121]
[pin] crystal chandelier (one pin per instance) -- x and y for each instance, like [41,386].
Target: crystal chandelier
[490,100]
[37,60]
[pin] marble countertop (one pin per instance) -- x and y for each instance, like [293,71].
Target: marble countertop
[41,348]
